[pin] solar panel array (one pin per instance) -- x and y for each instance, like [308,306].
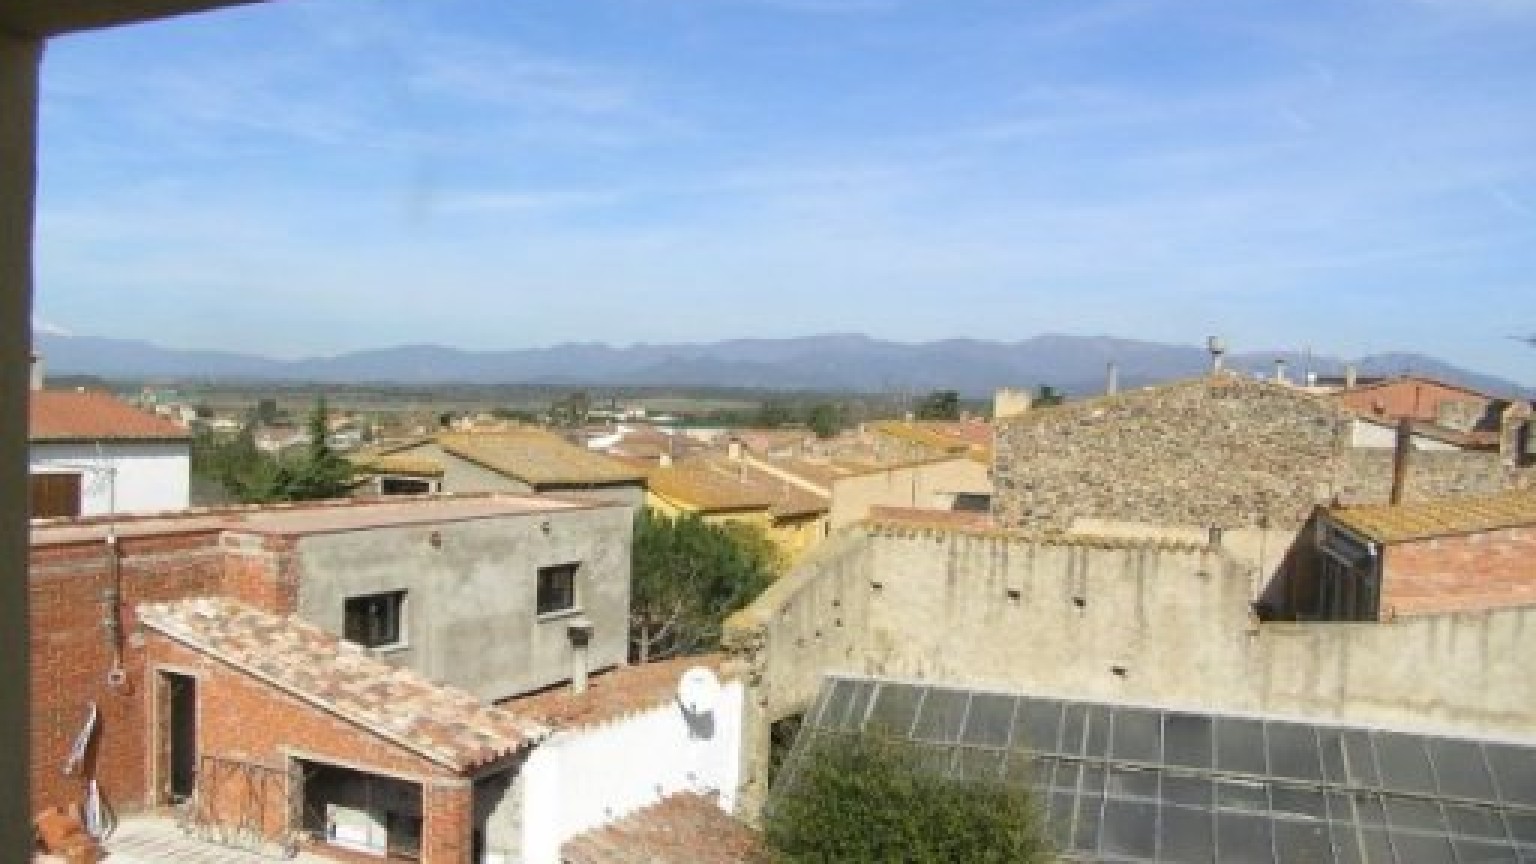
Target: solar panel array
[1126,783]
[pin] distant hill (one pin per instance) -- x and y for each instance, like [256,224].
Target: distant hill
[834,362]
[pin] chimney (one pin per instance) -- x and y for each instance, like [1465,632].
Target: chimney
[1217,347]
[579,631]
[733,449]
[1350,376]
[1280,376]
[1400,457]
[1111,379]
[38,372]
[1514,432]
[664,459]
[1008,402]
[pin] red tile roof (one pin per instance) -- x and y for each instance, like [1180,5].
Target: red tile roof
[931,518]
[77,415]
[443,724]
[612,695]
[687,828]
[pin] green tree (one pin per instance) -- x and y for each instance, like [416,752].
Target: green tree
[1047,396]
[320,472]
[688,576]
[825,420]
[253,477]
[865,798]
[775,413]
[940,405]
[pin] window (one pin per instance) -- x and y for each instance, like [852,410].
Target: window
[54,495]
[557,589]
[376,620]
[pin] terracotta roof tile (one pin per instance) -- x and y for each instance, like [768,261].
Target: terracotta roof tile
[443,724]
[695,486]
[415,466]
[972,436]
[687,828]
[94,416]
[612,695]
[1387,523]
[934,518]
[537,457]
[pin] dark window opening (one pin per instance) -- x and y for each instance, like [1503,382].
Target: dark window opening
[54,496]
[179,731]
[376,620]
[403,486]
[366,813]
[557,589]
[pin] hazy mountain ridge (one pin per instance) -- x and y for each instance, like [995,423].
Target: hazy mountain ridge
[840,361]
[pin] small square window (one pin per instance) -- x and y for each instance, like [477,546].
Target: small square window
[557,589]
[376,620]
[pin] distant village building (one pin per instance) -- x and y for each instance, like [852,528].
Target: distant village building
[91,454]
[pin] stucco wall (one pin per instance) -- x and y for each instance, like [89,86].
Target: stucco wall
[122,477]
[470,613]
[584,778]
[1155,622]
[931,485]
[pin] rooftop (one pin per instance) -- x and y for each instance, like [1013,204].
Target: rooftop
[319,517]
[83,415]
[537,457]
[1388,523]
[443,724]
[611,695]
[980,521]
[696,487]
[686,828]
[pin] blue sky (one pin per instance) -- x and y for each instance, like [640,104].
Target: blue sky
[315,176]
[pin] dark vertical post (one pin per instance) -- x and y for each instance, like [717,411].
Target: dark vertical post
[1401,452]
[19,60]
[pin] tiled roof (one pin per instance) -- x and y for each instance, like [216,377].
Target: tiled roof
[443,724]
[537,457]
[764,441]
[933,518]
[416,466]
[951,437]
[686,828]
[78,415]
[612,695]
[697,487]
[1387,523]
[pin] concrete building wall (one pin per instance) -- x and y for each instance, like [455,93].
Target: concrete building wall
[1156,622]
[927,485]
[631,495]
[584,778]
[121,477]
[1466,571]
[462,475]
[1383,436]
[471,592]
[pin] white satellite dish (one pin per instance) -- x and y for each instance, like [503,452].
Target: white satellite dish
[698,691]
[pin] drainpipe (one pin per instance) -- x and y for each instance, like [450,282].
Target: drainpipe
[579,631]
[1401,453]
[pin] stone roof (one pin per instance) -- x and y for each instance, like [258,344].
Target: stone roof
[538,458]
[443,724]
[77,415]
[612,695]
[686,828]
[1388,523]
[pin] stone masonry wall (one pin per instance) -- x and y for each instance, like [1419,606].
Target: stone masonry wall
[1220,451]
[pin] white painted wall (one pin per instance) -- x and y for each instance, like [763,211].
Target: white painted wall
[586,778]
[1367,435]
[149,475]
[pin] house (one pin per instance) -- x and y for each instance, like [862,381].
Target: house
[1222,451]
[907,440]
[357,647]
[1426,400]
[955,483]
[722,491]
[91,454]
[521,460]
[1384,561]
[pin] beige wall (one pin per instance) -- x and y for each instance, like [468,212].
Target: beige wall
[1155,621]
[18,135]
[930,485]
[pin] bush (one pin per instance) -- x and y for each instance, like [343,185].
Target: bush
[870,798]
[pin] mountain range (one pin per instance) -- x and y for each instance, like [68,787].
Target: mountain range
[830,362]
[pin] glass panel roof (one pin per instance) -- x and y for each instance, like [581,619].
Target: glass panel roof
[1136,784]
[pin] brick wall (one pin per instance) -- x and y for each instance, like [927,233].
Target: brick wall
[245,719]
[1470,571]
[262,571]
[72,654]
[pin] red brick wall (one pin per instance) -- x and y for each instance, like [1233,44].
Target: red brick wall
[240,717]
[71,655]
[1472,571]
[262,571]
